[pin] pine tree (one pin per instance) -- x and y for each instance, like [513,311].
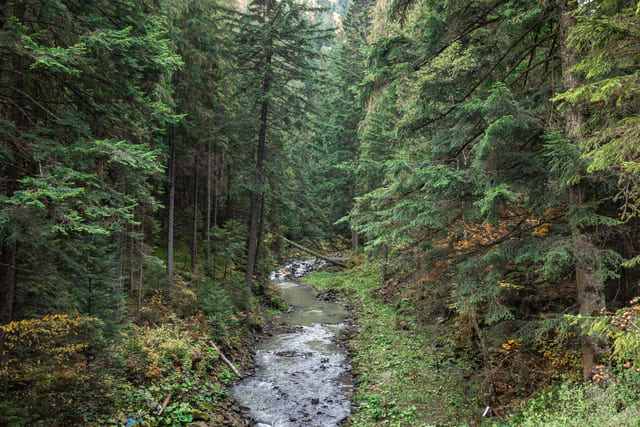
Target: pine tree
[202,92]
[333,175]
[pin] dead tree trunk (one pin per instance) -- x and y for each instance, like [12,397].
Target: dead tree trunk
[314,253]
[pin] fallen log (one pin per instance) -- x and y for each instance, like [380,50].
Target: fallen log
[224,358]
[314,253]
[164,405]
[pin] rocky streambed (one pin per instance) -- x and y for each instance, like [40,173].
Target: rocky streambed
[302,377]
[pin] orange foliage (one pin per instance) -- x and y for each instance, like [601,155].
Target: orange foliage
[27,344]
[438,268]
[475,236]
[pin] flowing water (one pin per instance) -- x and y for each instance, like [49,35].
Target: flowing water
[302,378]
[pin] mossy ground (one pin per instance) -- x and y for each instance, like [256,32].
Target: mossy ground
[407,374]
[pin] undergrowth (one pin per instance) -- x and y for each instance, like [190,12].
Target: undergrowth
[410,373]
[610,403]
[158,369]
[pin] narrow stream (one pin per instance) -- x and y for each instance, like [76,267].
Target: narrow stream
[302,378]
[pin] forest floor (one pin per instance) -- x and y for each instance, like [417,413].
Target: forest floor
[410,371]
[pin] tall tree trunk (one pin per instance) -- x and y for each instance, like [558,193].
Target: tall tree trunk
[258,180]
[218,182]
[252,251]
[589,285]
[141,265]
[207,226]
[172,198]
[194,223]
[11,174]
[219,178]
[259,246]
[132,262]
[8,257]
[119,271]
[7,286]
[90,298]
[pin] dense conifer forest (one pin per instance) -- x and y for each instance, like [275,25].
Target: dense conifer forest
[474,163]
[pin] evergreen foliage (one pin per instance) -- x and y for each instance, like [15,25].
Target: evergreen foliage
[468,176]
[485,153]
[334,154]
[83,111]
[276,56]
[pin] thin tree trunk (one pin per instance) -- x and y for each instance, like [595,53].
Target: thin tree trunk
[207,227]
[8,258]
[11,175]
[258,180]
[231,210]
[4,362]
[7,286]
[9,249]
[589,285]
[219,179]
[224,358]
[132,262]
[90,298]
[252,252]
[172,192]
[355,239]
[194,223]
[314,253]
[218,183]
[259,246]
[120,266]
[141,252]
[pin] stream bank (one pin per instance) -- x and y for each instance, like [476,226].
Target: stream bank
[410,368]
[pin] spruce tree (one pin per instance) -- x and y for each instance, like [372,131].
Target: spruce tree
[82,111]
[333,175]
[476,183]
[599,102]
[203,95]
[275,56]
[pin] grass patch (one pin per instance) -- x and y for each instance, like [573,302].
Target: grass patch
[409,375]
